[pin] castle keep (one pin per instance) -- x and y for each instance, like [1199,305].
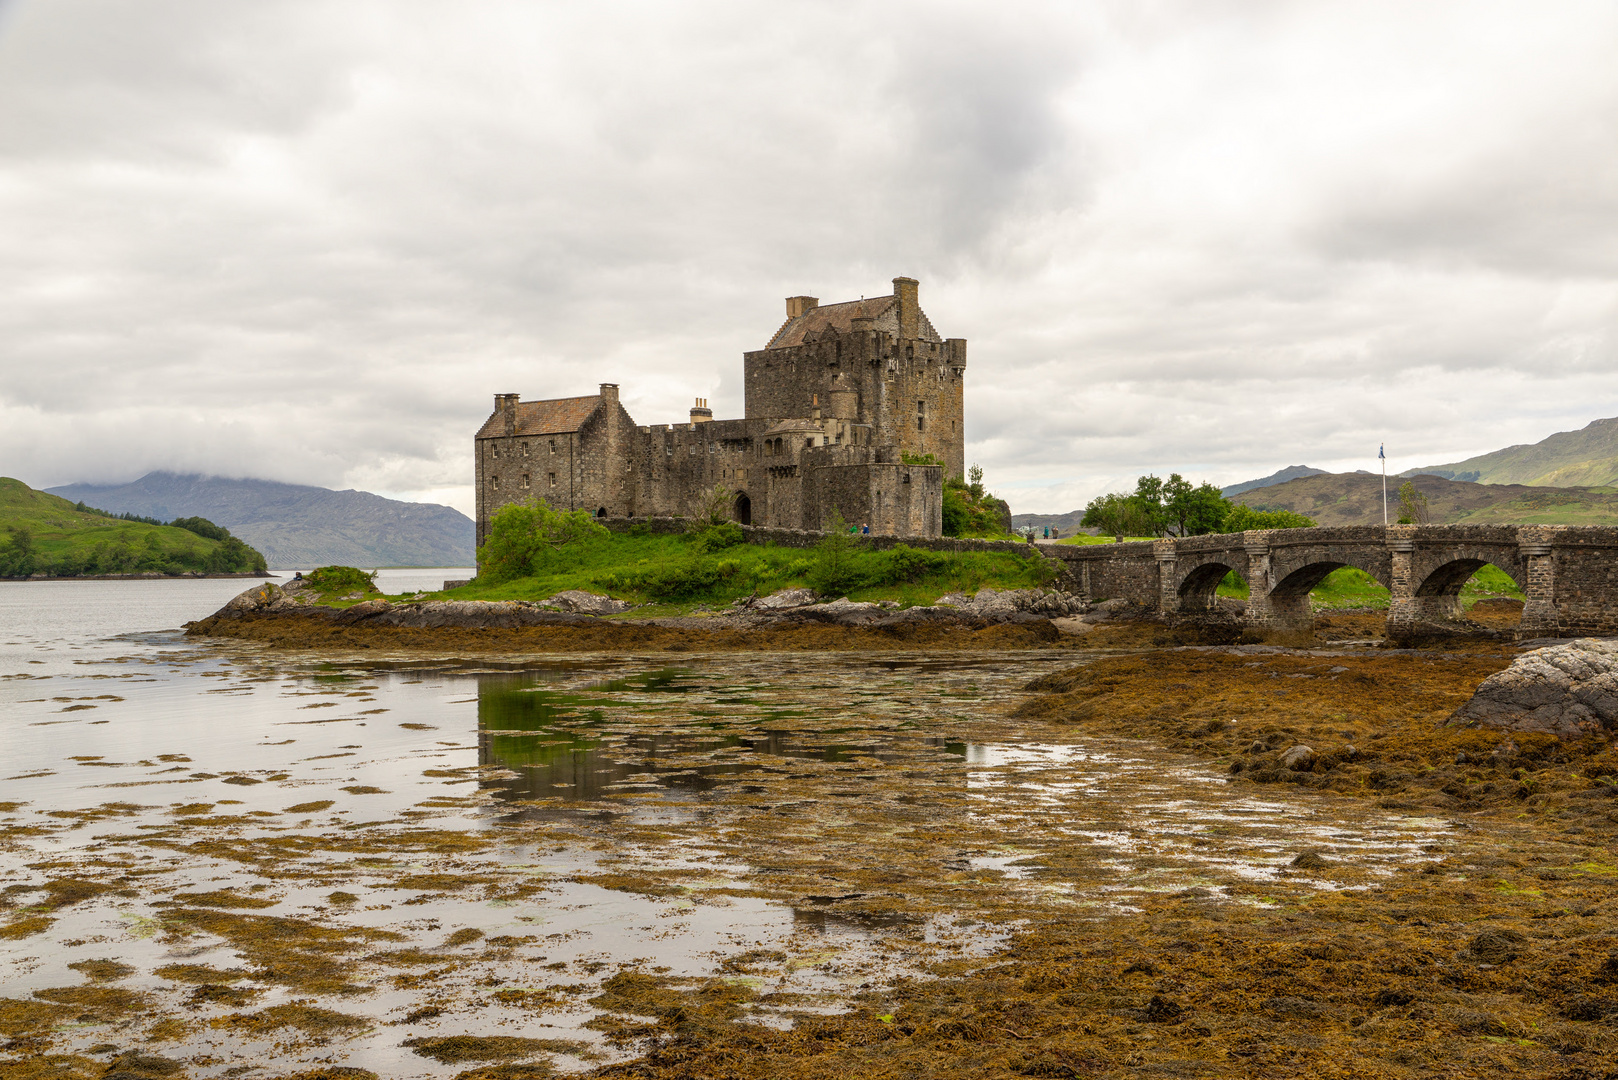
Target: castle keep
[836,402]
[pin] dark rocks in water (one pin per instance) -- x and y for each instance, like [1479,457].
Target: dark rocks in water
[1564,690]
[1310,860]
[1497,946]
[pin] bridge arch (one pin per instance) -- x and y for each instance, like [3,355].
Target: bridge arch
[1199,586]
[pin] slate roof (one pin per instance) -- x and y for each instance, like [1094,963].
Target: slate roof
[838,317]
[553,417]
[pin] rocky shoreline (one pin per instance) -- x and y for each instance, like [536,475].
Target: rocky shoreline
[149,575]
[293,615]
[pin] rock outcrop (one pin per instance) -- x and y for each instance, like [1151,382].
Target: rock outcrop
[1564,690]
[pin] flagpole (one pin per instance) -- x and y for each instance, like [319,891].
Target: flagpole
[1382,452]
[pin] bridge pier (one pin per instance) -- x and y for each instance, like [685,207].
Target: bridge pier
[1275,614]
[1168,592]
[1539,615]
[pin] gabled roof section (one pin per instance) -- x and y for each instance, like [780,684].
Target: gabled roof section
[838,318]
[554,417]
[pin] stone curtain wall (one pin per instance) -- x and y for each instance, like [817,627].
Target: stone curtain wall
[808,538]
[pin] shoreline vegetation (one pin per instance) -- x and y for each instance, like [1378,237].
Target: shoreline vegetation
[45,537]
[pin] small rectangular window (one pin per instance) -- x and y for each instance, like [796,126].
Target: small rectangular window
[524,479]
[553,479]
[494,482]
[553,446]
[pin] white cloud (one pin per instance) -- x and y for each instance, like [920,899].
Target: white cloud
[308,241]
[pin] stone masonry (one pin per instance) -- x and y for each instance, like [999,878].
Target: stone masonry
[839,405]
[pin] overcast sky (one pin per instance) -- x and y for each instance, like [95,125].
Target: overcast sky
[309,241]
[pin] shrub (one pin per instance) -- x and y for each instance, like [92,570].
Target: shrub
[342,579]
[837,570]
[1243,517]
[524,539]
[718,536]
[907,565]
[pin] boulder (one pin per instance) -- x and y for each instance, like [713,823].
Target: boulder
[1298,758]
[581,602]
[1564,690]
[784,599]
[998,605]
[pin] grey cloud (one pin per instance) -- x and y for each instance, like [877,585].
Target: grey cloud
[308,241]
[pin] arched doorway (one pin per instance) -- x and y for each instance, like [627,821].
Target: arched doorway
[602,512]
[744,509]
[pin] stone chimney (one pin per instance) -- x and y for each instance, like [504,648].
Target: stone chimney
[700,413]
[797,305]
[905,290]
[609,391]
[505,407]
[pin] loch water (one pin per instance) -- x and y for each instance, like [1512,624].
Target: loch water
[293,858]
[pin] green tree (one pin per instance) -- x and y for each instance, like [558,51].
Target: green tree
[1119,515]
[1412,505]
[836,569]
[1195,511]
[525,537]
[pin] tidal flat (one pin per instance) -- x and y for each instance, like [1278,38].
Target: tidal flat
[227,859]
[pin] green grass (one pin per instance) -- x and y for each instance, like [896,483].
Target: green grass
[675,574]
[45,534]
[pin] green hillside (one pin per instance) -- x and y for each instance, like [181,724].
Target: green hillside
[1356,499]
[44,534]
[1584,458]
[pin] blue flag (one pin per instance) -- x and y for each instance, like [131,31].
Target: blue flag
[1380,455]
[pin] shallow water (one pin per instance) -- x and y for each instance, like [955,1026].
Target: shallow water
[806,825]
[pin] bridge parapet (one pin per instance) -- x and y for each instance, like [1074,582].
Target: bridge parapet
[1569,573]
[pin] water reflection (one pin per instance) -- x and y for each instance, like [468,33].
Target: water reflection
[581,743]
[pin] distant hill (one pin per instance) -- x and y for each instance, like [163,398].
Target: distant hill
[1587,457]
[1356,499]
[295,525]
[43,534]
[1291,472]
[1068,522]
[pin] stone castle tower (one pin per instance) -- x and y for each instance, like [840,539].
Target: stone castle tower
[842,405]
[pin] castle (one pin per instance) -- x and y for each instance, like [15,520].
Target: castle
[840,405]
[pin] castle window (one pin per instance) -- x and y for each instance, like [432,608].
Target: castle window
[496,449]
[553,479]
[525,480]
[808,442]
[494,482]
[553,446]
[921,416]
[525,454]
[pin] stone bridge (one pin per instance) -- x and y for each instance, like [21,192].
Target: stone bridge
[1569,573]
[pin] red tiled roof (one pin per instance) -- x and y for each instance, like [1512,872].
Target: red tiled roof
[551,417]
[883,309]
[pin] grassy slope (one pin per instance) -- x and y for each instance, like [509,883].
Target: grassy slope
[1587,457]
[60,530]
[1356,499]
[619,566]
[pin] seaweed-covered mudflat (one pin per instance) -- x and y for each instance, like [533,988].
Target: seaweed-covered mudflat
[223,859]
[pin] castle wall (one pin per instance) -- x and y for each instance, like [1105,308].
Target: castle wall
[513,468]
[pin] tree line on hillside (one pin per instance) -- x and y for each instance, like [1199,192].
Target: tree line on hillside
[87,555]
[1174,507]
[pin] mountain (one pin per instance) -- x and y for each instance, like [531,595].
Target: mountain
[1068,522]
[1356,499]
[1291,472]
[43,534]
[295,525]
[1584,458]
